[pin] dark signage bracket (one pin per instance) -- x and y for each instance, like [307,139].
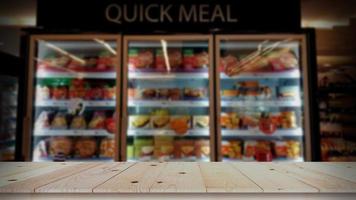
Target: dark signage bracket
[172,15]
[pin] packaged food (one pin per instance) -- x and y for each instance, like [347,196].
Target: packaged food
[132,94]
[202,60]
[139,121]
[263,151]
[147,94]
[188,59]
[293,149]
[266,124]
[283,59]
[175,58]
[194,93]
[265,93]
[42,121]
[78,89]
[145,59]
[288,92]
[110,124]
[229,121]
[143,147]
[43,92]
[78,122]
[107,148]
[174,94]
[250,120]
[61,61]
[228,63]
[230,93]
[180,124]
[280,149]
[59,121]
[90,62]
[97,121]
[202,149]
[164,147]
[160,121]
[75,65]
[133,62]
[61,145]
[231,149]
[250,149]
[59,93]
[85,147]
[160,62]
[288,120]
[109,93]
[163,93]
[95,93]
[184,148]
[200,121]
[106,61]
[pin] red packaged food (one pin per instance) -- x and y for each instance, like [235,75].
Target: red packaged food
[189,60]
[60,93]
[175,59]
[160,62]
[109,93]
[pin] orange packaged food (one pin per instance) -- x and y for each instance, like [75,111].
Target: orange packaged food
[180,124]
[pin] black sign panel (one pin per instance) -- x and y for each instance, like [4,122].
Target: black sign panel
[171,15]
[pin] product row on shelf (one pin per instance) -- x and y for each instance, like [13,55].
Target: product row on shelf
[337,109]
[261,150]
[166,148]
[74,148]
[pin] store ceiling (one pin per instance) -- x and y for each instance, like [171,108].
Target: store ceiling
[316,13]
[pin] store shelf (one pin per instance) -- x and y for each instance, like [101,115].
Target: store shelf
[251,103]
[157,103]
[264,75]
[157,132]
[97,75]
[186,159]
[257,133]
[94,159]
[164,76]
[66,103]
[98,133]
[300,159]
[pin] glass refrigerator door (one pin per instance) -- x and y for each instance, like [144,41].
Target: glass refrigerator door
[8,117]
[167,98]
[75,104]
[260,91]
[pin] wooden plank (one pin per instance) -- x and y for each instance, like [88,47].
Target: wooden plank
[85,181]
[179,177]
[12,168]
[222,177]
[271,180]
[341,170]
[139,178]
[49,167]
[322,181]
[30,184]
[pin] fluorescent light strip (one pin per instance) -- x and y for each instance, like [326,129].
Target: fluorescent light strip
[106,45]
[165,53]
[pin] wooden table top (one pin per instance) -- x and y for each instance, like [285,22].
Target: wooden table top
[177,178]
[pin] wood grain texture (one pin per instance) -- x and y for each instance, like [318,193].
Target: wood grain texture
[85,181]
[11,168]
[138,179]
[179,177]
[345,171]
[322,181]
[30,184]
[271,180]
[40,169]
[222,177]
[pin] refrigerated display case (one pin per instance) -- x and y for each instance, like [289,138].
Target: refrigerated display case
[168,98]
[73,108]
[262,93]
[337,113]
[8,117]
